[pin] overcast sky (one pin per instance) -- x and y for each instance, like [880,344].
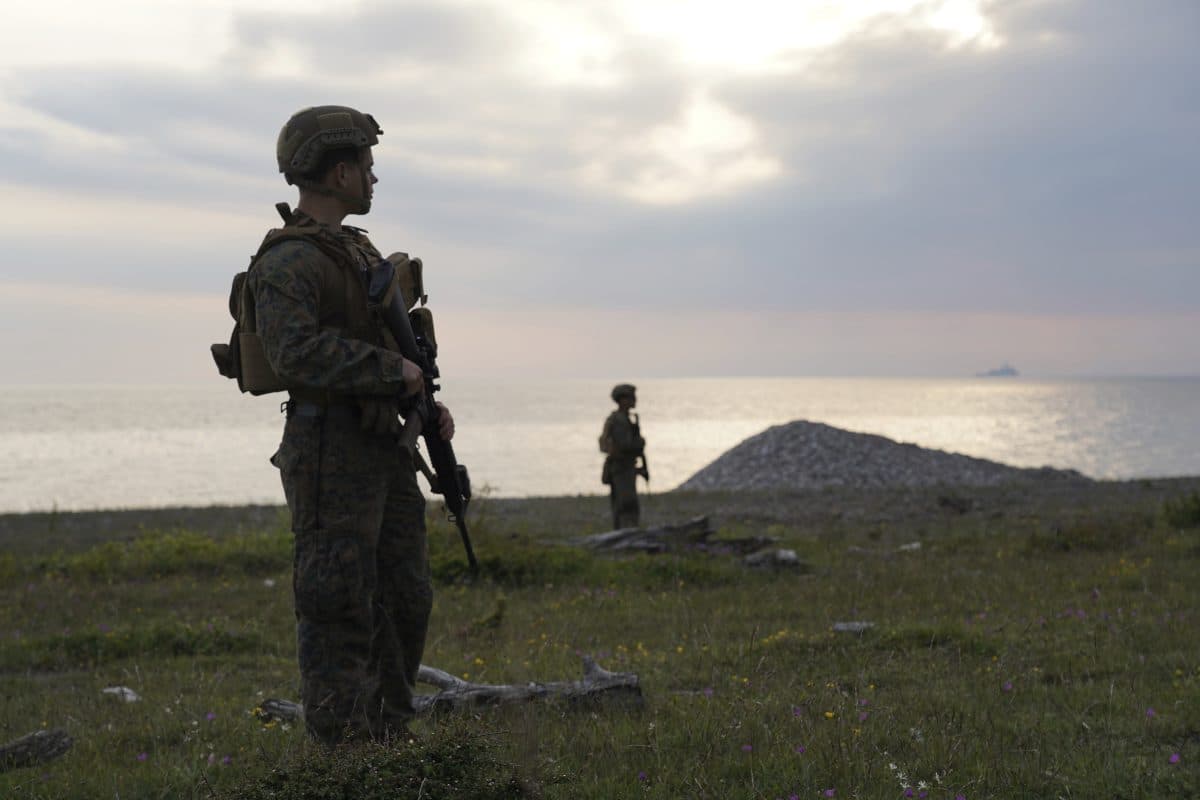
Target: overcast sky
[624,188]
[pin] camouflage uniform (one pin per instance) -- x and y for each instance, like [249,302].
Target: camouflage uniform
[620,467]
[361,568]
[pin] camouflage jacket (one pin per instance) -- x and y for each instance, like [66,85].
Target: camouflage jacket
[307,305]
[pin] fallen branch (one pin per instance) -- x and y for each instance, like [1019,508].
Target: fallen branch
[598,686]
[691,535]
[36,748]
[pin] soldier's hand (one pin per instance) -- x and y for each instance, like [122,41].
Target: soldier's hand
[445,423]
[379,415]
[414,379]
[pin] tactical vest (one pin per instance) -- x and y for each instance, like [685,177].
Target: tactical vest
[343,305]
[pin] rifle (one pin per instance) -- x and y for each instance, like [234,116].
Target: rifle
[448,478]
[642,469]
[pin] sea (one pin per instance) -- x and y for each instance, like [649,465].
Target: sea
[110,447]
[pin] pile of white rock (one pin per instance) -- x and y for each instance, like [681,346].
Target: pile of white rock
[810,455]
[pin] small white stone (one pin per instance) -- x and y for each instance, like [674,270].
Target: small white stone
[123,692]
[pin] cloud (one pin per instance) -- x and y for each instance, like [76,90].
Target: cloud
[411,40]
[542,157]
[1050,173]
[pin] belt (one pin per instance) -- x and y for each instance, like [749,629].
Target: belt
[303,408]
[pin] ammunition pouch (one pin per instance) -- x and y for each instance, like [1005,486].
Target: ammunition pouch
[228,357]
[257,375]
[244,358]
[394,286]
[410,279]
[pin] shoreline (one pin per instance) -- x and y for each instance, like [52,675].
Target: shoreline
[41,531]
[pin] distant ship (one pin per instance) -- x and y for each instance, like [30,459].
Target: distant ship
[1005,370]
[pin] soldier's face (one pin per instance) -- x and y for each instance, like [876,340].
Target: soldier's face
[368,167]
[360,179]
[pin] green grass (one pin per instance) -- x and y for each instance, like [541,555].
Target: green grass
[1048,651]
[1183,512]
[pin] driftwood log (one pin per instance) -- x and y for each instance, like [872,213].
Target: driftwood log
[691,535]
[598,686]
[36,748]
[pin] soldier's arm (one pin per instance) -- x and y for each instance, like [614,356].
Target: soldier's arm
[287,289]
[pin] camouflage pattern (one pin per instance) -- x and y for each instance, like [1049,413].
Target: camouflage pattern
[621,468]
[361,579]
[312,131]
[306,330]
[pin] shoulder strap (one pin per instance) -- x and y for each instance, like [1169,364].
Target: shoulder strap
[312,234]
[295,230]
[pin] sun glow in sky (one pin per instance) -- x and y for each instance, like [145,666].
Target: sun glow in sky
[754,34]
[574,40]
[979,170]
[578,43]
[707,150]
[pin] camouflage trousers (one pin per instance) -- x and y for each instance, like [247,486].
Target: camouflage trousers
[622,495]
[360,575]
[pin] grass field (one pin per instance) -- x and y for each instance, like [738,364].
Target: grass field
[1038,643]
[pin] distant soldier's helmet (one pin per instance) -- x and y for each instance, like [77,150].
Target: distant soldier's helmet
[312,132]
[623,390]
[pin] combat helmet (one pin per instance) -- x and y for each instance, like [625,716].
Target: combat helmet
[312,132]
[623,390]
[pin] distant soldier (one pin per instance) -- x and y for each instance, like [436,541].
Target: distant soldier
[621,440]
[362,584]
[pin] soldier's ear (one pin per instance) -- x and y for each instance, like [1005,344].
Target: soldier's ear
[341,174]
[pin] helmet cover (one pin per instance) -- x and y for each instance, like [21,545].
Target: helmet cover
[312,132]
[623,390]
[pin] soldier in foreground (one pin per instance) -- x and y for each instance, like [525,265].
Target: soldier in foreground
[362,585]
[622,442]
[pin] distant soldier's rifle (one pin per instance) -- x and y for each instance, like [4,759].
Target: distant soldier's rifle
[642,469]
[423,417]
